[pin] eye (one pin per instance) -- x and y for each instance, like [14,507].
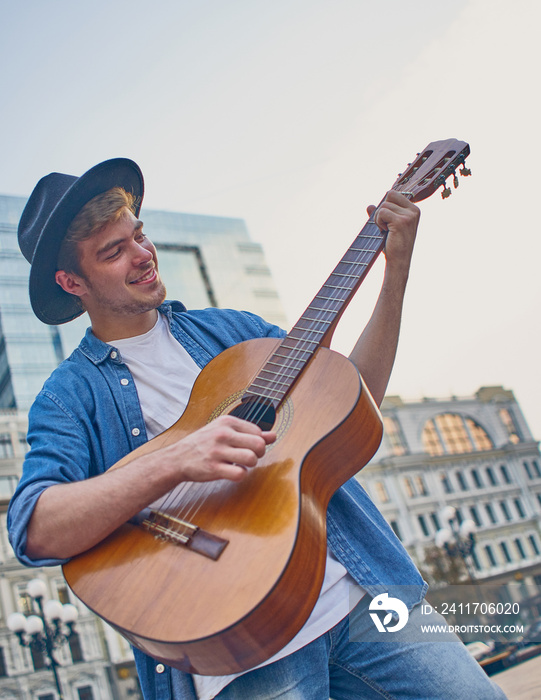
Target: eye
[113,255]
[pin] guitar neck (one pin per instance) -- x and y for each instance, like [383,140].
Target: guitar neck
[315,327]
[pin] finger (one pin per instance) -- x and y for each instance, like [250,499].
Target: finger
[232,472]
[241,457]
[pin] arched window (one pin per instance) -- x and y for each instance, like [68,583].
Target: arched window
[451,433]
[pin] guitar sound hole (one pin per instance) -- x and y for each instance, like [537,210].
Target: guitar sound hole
[256,410]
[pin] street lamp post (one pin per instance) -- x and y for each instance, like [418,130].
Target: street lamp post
[458,540]
[45,629]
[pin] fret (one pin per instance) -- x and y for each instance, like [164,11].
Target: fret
[318,296]
[337,286]
[362,250]
[343,274]
[304,340]
[280,364]
[318,308]
[287,357]
[317,320]
[276,374]
[262,386]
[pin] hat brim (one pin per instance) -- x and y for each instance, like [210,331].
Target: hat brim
[50,302]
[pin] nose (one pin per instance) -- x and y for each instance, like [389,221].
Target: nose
[141,255]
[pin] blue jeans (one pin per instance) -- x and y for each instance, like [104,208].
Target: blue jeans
[351,662]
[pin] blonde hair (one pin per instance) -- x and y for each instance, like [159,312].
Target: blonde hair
[104,209]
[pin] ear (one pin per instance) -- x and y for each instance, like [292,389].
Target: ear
[71,283]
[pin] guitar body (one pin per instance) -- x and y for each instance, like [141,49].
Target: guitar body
[225,615]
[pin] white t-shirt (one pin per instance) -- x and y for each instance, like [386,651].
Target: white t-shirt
[163,394]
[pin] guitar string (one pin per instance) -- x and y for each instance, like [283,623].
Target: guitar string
[178,502]
[295,354]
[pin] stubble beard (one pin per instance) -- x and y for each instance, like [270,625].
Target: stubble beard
[132,307]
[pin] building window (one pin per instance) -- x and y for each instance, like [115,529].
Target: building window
[451,433]
[490,513]
[535,465]
[507,419]
[491,476]
[520,548]
[85,693]
[62,592]
[519,507]
[505,474]
[22,442]
[490,555]
[505,510]
[475,560]
[6,446]
[476,478]
[74,642]
[8,484]
[505,552]
[431,440]
[424,526]
[420,485]
[3,669]
[394,435]
[396,529]
[408,486]
[475,516]
[461,481]
[527,470]
[415,486]
[381,492]
[24,601]
[38,659]
[445,483]
[533,544]
[435,521]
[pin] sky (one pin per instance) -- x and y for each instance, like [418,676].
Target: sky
[295,115]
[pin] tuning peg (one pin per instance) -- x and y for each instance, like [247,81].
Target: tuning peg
[464,171]
[446,192]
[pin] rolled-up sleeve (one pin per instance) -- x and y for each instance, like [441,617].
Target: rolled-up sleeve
[56,456]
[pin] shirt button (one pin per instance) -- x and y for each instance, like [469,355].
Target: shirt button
[135,432]
[114,355]
[124,382]
[160,668]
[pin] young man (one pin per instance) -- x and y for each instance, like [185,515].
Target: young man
[130,379]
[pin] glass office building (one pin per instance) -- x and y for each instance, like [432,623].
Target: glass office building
[204,261]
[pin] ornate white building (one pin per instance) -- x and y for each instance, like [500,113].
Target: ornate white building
[477,455]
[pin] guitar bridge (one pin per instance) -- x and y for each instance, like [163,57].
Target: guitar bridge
[181,532]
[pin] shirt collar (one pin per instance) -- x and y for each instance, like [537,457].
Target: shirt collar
[97,351]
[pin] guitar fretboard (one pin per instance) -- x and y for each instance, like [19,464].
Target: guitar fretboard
[316,325]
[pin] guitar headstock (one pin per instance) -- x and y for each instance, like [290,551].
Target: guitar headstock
[431,168]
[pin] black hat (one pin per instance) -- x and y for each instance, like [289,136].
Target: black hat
[52,206]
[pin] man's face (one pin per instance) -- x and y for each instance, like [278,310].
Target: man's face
[120,273]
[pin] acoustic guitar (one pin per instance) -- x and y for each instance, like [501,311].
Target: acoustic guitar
[217,577]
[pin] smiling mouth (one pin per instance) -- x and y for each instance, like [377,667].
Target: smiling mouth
[148,277]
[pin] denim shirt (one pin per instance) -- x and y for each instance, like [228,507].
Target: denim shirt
[90,402]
